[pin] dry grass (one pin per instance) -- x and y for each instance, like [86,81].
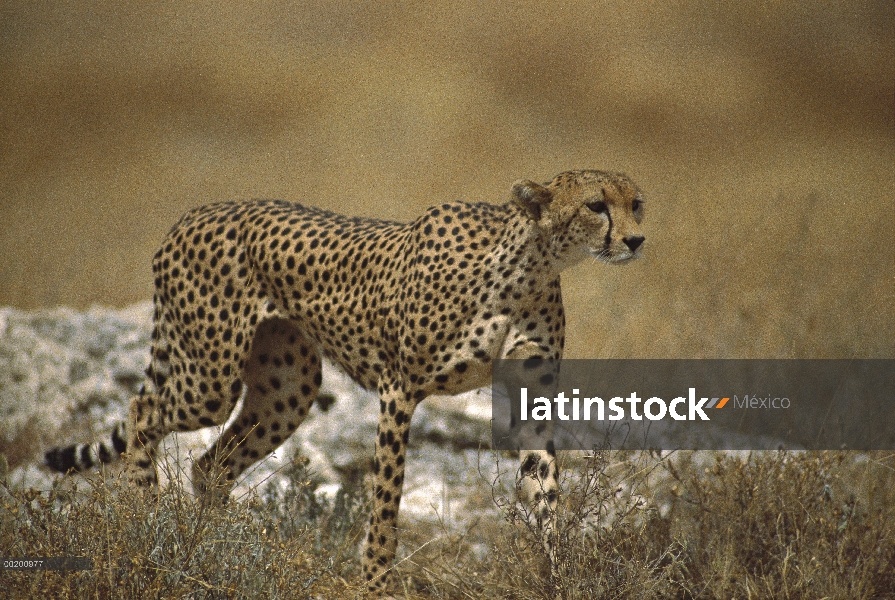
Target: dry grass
[704,525]
[174,546]
[789,525]
[632,525]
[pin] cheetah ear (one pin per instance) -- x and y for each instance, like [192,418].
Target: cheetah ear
[531,197]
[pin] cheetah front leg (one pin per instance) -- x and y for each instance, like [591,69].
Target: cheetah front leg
[395,410]
[537,482]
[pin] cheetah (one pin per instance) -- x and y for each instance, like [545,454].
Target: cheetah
[250,297]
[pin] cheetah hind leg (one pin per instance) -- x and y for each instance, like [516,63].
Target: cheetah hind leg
[146,428]
[282,377]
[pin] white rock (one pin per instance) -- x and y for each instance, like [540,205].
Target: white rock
[72,373]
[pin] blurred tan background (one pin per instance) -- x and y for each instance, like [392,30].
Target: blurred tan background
[762,133]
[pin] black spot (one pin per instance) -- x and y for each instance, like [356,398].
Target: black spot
[529,464]
[532,363]
[61,459]
[118,442]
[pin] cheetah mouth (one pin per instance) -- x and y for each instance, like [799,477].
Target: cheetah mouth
[616,259]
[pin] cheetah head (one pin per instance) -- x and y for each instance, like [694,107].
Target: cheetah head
[586,213]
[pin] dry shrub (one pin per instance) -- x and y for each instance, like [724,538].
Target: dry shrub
[611,543]
[170,545]
[788,525]
[689,526]
[631,525]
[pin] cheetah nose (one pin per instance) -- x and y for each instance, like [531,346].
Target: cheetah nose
[634,242]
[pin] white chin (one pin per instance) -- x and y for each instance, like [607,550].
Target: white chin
[619,260]
[612,258]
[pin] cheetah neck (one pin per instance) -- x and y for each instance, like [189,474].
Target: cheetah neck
[534,249]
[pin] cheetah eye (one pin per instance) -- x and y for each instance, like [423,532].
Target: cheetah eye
[598,207]
[636,205]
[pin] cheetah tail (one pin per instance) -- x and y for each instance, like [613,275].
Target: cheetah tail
[83,457]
